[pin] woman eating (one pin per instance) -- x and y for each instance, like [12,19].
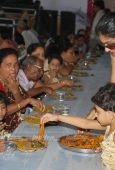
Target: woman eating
[17,97]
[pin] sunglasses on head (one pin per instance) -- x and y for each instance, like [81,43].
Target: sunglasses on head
[111,46]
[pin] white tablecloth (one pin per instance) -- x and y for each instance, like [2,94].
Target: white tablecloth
[54,157]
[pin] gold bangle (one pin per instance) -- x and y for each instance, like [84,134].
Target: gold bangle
[71,64]
[18,105]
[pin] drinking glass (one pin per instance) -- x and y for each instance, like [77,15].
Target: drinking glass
[60,96]
[65,110]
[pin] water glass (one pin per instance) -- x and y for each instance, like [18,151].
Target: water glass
[10,147]
[65,110]
[60,96]
[55,110]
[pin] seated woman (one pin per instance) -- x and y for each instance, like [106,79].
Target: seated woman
[6,40]
[66,50]
[70,36]
[36,49]
[17,97]
[81,43]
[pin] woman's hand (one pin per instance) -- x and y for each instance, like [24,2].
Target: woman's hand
[50,91]
[13,84]
[48,117]
[2,125]
[35,102]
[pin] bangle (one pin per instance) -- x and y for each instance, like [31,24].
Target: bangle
[57,117]
[71,64]
[18,105]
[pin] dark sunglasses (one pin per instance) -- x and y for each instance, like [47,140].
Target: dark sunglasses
[111,46]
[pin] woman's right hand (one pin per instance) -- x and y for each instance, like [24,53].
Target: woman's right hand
[2,125]
[35,102]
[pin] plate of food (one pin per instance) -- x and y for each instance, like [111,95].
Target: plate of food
[47,108]
[33,119]
[72,77]
[67,96]
[28,144]
[77,73]
[76,87]
[81,143]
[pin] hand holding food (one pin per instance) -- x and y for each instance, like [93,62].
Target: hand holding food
[48,117]
[36,103]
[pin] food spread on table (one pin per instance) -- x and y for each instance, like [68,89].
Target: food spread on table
[67,96]
[78,73]
[33,119]
[28,144]
[48,108]
[85,141]
[76,87]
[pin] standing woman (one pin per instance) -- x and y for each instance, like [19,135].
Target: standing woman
[17,97]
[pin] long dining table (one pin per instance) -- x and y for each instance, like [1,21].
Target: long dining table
[54,157]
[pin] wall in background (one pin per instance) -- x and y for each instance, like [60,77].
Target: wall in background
[110,4]
[64,5]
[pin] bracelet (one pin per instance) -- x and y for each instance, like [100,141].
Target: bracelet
[71,64]
[18,105]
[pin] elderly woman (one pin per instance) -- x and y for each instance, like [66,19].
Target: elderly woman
[17,97]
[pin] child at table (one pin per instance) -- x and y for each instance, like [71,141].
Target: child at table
[55,62]
[3,109]
[104,101]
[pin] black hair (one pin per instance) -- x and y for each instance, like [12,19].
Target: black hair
[67,33]
[106,25]
[3,98]
[105,97]
[5,33]
[32,47]
[7,51]
[100,4]
[55,56]
[19,39]
[107,10]
[79,36]
[51,49]
[64,45]
[78,32]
